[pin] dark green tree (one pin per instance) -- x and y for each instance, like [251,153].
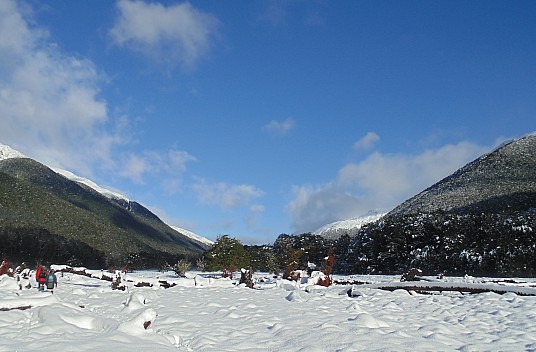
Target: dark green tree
[227,254]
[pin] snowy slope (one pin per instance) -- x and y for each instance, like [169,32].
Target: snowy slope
[193,236]
[350,226]
[105,192]
[6,152]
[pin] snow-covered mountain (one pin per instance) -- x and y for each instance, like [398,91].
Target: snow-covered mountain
[503,179]
[6,152]
[105,192]
[350,226]
[193,236]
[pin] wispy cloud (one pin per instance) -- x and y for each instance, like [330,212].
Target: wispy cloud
[50,100]
[254,212]
[367,141]
[380,181]
[167,34]
[226,196]
[275,12]
[170,165]
[279,128]
[279,12]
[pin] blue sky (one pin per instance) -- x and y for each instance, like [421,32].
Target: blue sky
[256,118]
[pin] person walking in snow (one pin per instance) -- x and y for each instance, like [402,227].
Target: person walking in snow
[51,280]
[41,277]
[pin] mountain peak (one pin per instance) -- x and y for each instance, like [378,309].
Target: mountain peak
[6,152]
[351,226]
[500,180]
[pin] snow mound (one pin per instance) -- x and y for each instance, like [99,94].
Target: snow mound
[368,321]
[140,323]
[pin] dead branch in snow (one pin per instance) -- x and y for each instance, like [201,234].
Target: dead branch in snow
[426,287]
[15,308]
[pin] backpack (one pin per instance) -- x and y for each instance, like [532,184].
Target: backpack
[43,273]
[50,281]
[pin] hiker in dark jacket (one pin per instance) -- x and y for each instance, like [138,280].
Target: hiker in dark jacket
[51,280]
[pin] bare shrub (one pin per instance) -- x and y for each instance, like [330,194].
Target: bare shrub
[182,267]
[201,264]
[228,272]
[246,277]
[327,269]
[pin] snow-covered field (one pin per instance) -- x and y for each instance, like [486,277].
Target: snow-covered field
[202,314]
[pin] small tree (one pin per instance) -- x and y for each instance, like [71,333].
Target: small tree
[182,267]
[227,254]
[163,266]
[201,264]
[293,257]
[327,268]
[271,263]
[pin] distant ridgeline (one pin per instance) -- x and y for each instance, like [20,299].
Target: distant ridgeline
[481,220]
[45,217]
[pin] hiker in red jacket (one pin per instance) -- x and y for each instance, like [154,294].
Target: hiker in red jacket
[41,277]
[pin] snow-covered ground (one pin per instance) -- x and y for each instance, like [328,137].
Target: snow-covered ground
[202,314]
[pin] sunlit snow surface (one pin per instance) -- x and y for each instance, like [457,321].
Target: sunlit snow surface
[85,314]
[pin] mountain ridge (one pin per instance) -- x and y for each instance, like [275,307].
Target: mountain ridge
[504,172]
[35,199]
[6,152]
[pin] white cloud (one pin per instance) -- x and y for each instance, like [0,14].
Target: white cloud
[279,127]
[255,211]
[51,109]
[280,12]
[380,181]
[275,13]
[367,141]
[224,195]
[171,165]
[315,206]
[178,33]
[135,167]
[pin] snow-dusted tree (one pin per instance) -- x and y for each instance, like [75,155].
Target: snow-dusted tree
[182,267]
[201,264]
[227,254]
[271,263]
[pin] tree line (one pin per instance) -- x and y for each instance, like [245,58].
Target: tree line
[438,243]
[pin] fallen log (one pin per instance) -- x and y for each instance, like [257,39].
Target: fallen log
[15,308]
[419,286]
